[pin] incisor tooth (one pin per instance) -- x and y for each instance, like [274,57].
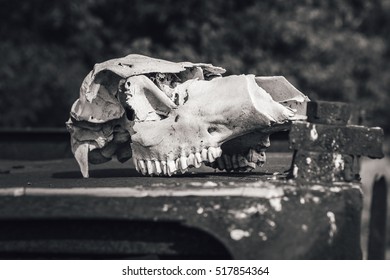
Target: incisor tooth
[228,162]
[157,167]
[142,167]
[235,162]
[150,167]
[183,164]
[171,167]
[135,161]
[210,154]
[164,167]
[204,155]
[191,160]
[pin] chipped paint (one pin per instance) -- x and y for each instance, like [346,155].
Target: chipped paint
[304,228]
[200,210]
[238,234]
[335,189]
[263,236]
[316,199]
[271,223]
[210,184]
[295,171]
[338,161]
[248,212]
[165,208]
[308,161]
[302,200]
[217,207]
[276,203]
[333,226]
[196,184]
[313,133]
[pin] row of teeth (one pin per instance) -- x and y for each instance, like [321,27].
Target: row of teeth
[211,156]
[170,167]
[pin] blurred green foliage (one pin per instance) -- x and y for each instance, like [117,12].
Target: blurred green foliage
[330,50]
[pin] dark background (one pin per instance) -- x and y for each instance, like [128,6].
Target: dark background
[330,50]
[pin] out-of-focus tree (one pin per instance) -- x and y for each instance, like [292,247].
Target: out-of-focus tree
[331,50]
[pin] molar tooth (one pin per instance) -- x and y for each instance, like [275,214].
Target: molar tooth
[228,162]
[157,166]
[171,167]
[221,164]
[183,164]
[210,154]
[142,167]
[164,167]
[261,159]
[234,161]
[252,164]
[257,157]
[150,167]
[242,161]
[250,155]
[198,160]
[204,155]
[191,160]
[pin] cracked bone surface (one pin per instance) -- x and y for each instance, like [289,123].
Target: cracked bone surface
[171,116]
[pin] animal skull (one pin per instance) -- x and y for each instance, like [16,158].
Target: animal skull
[173,116]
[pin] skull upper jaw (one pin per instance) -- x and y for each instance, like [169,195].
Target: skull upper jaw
[216,111]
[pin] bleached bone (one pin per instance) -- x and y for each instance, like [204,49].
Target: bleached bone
[179,115]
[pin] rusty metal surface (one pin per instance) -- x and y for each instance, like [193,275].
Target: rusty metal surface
[49,211]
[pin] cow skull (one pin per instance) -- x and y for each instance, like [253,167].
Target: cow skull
[170,119]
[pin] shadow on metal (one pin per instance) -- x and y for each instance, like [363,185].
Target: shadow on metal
[105,239]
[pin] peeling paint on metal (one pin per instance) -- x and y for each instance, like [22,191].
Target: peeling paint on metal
[313,133]
[276,203]
[271,223]
[338,161]
[248,212]
[210,184]
[238,234]
[333,226]
[295,171]
[263,236]
[165,208]
[316,199]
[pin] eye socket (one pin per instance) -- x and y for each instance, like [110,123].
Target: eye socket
[212,129]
